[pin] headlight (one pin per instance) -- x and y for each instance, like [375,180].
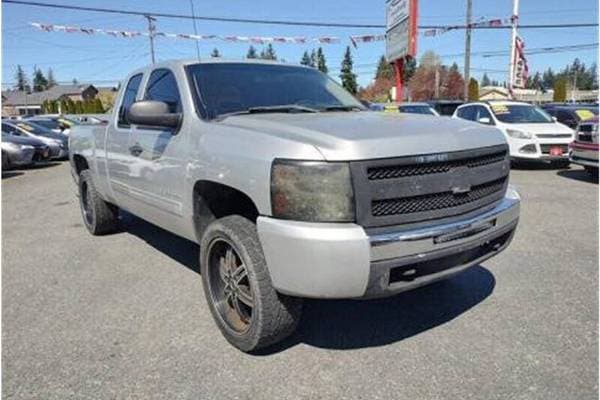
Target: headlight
[16,146]
[518,134]
[312,191]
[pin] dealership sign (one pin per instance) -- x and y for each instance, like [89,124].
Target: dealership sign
[401,35]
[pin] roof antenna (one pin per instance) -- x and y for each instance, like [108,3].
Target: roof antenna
[195,29]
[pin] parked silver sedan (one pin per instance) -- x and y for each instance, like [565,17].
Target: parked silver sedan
[58,143]
[16,155]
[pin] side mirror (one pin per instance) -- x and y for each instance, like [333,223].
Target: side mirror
[554,119]
[485,120]
[153,113]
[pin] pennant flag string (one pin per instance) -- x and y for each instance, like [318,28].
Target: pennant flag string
[132,34]
[355,40]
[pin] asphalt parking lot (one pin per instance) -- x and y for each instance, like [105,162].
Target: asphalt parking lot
[123,316]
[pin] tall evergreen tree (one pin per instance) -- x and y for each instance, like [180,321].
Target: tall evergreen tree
[268,53]
[251,52]
[21,80]
[409,68]
[384,69]
[485,81]
[473,90]
[51,80]
[75,81]
[560,90]
[321,61]
[40,83]
[313,58]
[347,76]
[215,53]
[305,59]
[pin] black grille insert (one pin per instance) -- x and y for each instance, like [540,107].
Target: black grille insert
[398,171]
[420,188]
[436,201]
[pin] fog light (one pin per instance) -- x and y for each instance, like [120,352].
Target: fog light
[529,148]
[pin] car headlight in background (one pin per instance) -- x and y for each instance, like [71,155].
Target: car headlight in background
[16,146]
[312,191]
[518,134]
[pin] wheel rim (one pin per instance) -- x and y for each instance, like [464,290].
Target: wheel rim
[86,206]
[229,286]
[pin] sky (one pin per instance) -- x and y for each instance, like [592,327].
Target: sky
[104,60]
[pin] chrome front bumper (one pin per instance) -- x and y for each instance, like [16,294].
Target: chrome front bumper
[325,260]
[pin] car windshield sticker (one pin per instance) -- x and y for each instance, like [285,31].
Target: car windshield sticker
[25,126]
[584,114]
[500,109]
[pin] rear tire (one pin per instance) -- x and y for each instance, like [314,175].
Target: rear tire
[245,306]
[99,217]
[5,162]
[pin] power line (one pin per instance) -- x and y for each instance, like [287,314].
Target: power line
[279,22]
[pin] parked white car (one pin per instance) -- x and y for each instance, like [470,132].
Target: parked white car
[531,133]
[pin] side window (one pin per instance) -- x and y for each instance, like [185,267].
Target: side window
[162,86]
[466,113]
[128,99]
[563,116]
[8,129]
[484,113]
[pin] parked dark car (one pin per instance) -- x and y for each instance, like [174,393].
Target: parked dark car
[572,115]
[445,107]
[417,108]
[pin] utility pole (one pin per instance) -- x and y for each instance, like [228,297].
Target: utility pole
[468,48]
[513,41]
[151,33]
[437,82]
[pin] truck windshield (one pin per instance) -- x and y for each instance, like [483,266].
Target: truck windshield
[230,88]
[520,114]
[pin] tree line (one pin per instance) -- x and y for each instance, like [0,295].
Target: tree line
[68,106]
[39,81]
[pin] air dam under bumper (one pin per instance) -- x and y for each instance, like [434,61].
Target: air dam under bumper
[331,260]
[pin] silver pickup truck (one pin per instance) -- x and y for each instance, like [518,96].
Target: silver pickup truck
[292,188]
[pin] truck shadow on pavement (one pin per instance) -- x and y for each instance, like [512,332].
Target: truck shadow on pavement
[579,175]
[349,324]
[354,324]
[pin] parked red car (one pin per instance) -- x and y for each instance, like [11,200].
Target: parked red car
[584,150]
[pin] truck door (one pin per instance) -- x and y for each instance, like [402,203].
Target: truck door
[118,157]
[158,156]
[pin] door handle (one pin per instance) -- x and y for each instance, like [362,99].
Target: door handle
[136,150]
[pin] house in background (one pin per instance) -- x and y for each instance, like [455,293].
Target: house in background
[17,102]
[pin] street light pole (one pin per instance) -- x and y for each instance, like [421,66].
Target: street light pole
[468,49]
[151,32]
[514,21]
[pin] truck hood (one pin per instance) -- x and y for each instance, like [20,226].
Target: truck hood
[366,135]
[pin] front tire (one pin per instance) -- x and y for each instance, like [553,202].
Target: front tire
[240,295]
[99,217]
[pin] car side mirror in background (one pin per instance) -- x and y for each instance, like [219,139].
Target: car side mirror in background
[485,120]
[554,119]
[153,113]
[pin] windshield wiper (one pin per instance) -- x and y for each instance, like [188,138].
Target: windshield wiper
[282,108]
[342,108]
[287,108]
